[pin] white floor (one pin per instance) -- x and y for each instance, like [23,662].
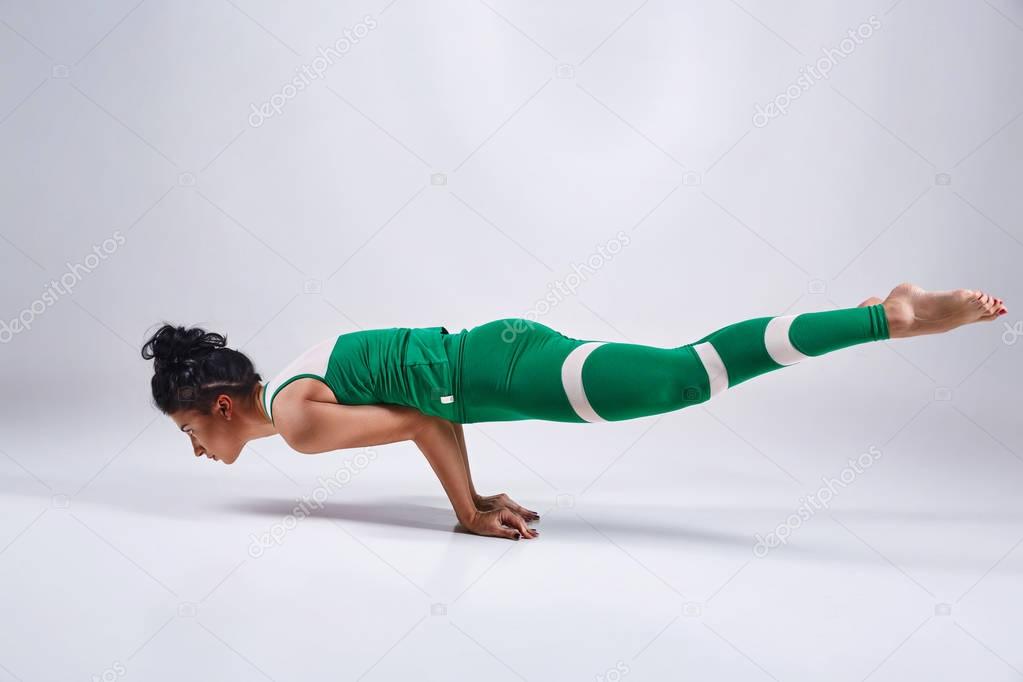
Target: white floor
[147,564]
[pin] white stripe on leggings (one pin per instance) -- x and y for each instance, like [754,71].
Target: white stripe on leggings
[776,339]
[715,367]
[572,380]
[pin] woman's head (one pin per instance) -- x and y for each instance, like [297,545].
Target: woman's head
[206,388]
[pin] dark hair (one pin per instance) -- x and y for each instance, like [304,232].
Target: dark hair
[192,367]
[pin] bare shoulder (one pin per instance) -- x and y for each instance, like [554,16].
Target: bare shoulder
[292,415]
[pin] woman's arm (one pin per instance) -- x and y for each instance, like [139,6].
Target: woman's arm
[438,440]
[312,427]
[460,435]
[489,502]
[439,443]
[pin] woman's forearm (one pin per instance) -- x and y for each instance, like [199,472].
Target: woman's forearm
[460,435]
[439,442]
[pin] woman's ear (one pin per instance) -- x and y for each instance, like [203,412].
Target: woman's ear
[224,406]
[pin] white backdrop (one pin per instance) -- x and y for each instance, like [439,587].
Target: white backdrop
[643,171]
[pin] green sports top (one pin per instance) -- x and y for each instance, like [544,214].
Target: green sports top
[412,366]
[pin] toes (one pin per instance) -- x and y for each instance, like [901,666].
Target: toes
[993,306]
[989,306]
[968,296]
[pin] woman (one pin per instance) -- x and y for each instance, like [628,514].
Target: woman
[382,386]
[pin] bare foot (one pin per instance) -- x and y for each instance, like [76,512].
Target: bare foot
[912,311]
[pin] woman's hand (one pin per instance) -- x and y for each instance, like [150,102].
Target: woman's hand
[502,501]
[501,523]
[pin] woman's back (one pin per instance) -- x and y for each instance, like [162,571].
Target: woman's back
[413,366]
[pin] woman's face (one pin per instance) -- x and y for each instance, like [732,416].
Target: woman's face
[212,435]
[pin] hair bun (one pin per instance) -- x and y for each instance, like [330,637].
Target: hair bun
[175,347]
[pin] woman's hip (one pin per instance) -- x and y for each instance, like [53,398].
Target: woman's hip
[511,369]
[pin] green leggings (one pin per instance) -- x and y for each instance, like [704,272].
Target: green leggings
[515,368]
